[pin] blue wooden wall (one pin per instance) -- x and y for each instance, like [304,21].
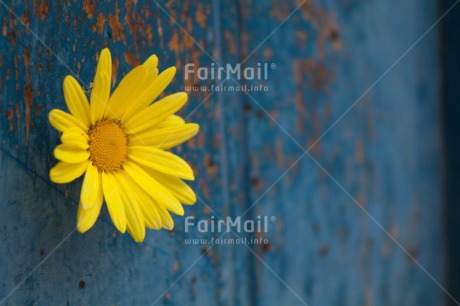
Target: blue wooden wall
[357,192]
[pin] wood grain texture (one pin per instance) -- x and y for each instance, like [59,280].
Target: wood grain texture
[385,153]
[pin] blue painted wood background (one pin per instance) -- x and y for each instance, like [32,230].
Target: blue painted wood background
[374,175]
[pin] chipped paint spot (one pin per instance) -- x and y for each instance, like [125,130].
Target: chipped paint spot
[10,116]
[88,8]
[115,65]
[28,99]
[100,22]
[130,59]
[26,57]
[200,16]
[118,32]
[43,10]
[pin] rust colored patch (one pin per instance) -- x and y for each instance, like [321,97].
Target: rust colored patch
[188,41]
[200,16]
[160,31]
[176,266]
[211,167]
[267,53]
[5,28]
[28,99]
[118,32]
[130,59]
[26,57]
[230,42]
[16,65]
[280,162]
[302,36]
[43,10]
[174,43]
[115,65]
[100,21]
[18,114]
[37,110]
[26,17]
[325,24]
[280,9]
[88,8]
[200,140]
[10,116]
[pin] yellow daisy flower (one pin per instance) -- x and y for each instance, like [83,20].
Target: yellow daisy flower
[119,142]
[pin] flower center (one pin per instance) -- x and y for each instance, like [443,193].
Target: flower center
[108,145]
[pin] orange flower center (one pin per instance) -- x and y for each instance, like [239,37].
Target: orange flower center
[108,145]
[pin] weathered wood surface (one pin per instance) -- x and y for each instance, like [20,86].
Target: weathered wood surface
[385,152]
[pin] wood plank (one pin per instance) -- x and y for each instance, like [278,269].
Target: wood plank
[386,152]
[102,267]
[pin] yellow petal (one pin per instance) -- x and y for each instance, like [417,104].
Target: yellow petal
[70,154]
[162,161]
[127,91]
[75,137]
[159,193]
[149,117]
[61,121]
[175,185]
[168,222]
[134,217]
[147,205]
[112,194]
[65,172]
[150,93]
[76,100]
[100,97]
[101,87]
[87,217]
[172,120]
[166,138]
[151,64]
[91,187]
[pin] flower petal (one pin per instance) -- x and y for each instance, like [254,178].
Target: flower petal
[166,138]
[65,172]
[61,121]
[156,113]
[70,154]
[167,221]
[87,217]
[172,120]
[175,185]
[150,93]
[134,217]
[162,161]
[147,205]
[74,136]
[76,100]
[159,193]
[101,87]
[122,97]
[112,194]
[151,64]
[91,187]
